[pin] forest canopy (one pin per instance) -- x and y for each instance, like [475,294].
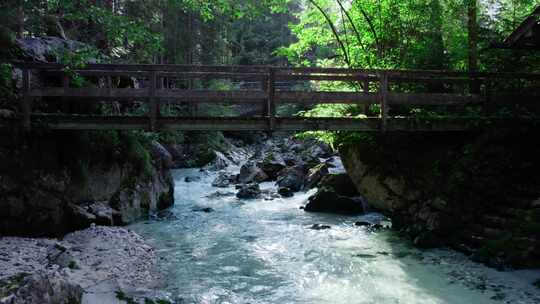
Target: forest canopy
[426,34]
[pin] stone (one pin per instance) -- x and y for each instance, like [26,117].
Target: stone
[224,180]
[203,209]
[160,153]
[190,179]
[249,173]
[315,175]
[285,192]
[40,288]
[272,164]
[292,178]
[327,200]
[250,191]
[320,227]
[362,224]
[341,183]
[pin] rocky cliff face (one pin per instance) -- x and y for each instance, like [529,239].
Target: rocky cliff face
[479,193]
[49,186]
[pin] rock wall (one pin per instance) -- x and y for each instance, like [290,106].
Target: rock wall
[479,193]
[49,187]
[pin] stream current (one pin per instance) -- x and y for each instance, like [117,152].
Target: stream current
[264,251]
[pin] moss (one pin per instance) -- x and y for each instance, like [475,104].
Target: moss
[11,284]
[165,199]
[137,155]
[120,295]
[73,265]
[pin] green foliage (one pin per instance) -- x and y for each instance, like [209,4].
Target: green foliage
[137,154]
[6,85]
[120,295]
[73,265]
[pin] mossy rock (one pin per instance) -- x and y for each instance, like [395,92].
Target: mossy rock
[11,284]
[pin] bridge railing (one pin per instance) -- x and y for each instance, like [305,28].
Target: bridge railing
[159,83]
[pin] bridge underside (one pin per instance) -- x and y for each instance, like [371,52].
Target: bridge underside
[85,122]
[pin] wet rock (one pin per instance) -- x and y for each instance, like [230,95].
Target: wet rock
[47,49]
[249,191]
[364,255]
[272,164]
[320,227]
[292,178]
[220,162]
[166,215]
[362,224]
[190,179]
[341,183]
[315,175]
[327,200]
[249,173]
[537,284]
[219,194]
[40,288]
[161,154]
[224,179]
[203,209]
[285,192]
[427,240]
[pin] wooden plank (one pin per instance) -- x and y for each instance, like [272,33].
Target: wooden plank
[26,101]
[326,97]
[271,106]
[432,99]
[119,68]
[182,95]
[89,92]
[83,122]
[383,91]
[212,96]
[153,107]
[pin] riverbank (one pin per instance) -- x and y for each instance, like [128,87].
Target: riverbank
[87,266]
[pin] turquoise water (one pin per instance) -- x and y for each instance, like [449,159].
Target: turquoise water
[259,251]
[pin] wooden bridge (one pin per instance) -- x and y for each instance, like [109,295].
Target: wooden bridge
[159,85]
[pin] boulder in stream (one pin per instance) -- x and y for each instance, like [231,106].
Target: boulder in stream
[292,177]
[327,200]
[315,175]
[250,172]
[249,191]
[285,192]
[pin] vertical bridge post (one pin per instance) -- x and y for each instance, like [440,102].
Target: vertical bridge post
[271,91]
[383,95]
[26,102]
[153,113]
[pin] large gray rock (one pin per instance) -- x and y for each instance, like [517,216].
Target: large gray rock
[162,155]
[328,201]
[249,173]
[47,49]
[249,191]
[224,180]
[40,288]
[272,164]
[315,175]
[341,183]
[292,177]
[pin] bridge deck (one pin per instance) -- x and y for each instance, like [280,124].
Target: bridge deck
[268,86]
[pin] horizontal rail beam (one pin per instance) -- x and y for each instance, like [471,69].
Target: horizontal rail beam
[84,122]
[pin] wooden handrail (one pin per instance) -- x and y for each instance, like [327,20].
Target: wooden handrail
[267,77]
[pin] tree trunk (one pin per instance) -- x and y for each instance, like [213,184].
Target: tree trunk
[473,42]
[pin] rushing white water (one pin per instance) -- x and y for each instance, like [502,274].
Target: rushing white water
[258,251]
